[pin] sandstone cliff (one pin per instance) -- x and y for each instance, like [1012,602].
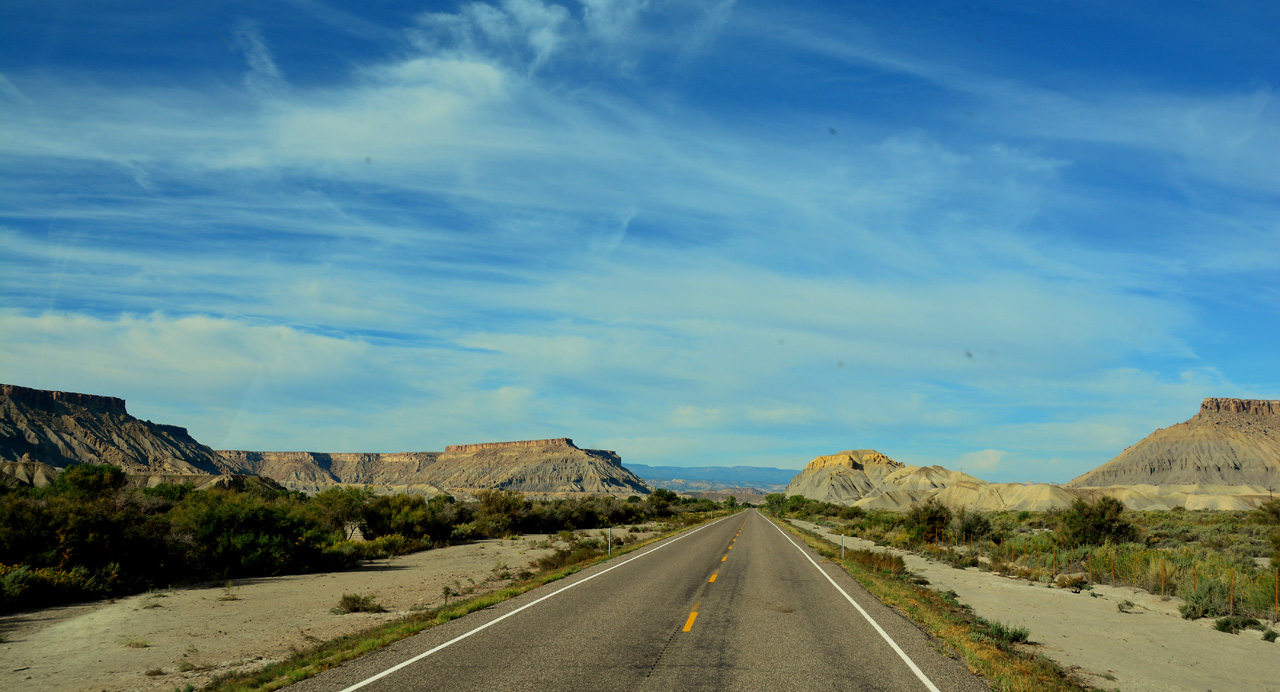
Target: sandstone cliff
[61,429]
[1230,442]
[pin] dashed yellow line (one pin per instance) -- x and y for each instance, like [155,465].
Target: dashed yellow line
[693,615]
[726,557]
[712,580]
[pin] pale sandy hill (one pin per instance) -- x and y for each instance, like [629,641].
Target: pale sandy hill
[1229,442]
[27,473]
[862,476]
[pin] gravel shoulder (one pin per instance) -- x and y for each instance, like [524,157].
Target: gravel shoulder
[167,639]
[1150,649]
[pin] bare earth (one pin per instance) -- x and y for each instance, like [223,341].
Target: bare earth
[110,646]
[1151,649]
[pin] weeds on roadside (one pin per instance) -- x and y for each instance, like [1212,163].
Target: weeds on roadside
[1232,624]
[355,603]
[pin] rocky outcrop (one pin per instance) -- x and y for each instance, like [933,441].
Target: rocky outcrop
[554,442]
[1230,442]
[45,398]
[62,429]
[1253,407]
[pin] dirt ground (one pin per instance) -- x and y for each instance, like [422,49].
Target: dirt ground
[166,639]
[1151,649]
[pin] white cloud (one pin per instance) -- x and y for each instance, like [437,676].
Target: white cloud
[973,463]
[264,77]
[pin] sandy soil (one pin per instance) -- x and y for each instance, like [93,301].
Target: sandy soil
[1151,649]
[111,645]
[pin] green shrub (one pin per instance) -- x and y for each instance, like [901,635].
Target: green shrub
[1004,635]
[1269,512]
[1097,523]
[928,520]
[1232,624]
[355,603]
[1209,599]
[970,525]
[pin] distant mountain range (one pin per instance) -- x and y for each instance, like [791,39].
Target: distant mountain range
[43,432]
[703,478]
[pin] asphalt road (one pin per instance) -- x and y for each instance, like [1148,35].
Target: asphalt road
[733,605]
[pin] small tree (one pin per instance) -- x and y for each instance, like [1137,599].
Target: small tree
[1097,523]
[731,502]
[1269,512]
[928,520]
[340,508]
[774,502]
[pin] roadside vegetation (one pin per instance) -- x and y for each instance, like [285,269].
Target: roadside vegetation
[1210,559]
[92,536]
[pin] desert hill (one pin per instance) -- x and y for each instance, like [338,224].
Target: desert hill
[1230,442]
[62,429]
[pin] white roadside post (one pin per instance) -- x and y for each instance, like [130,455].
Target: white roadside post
[610,541]
[842,546]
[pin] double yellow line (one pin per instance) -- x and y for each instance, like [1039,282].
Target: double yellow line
[693,614]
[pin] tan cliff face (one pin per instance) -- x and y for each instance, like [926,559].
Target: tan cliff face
[1253,407]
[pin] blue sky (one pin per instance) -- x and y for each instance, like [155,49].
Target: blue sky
[1013,238]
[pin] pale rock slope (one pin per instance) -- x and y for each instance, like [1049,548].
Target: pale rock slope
[1230,442]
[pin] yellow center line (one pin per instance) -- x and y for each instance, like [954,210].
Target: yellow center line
[730,547]
[712,580]
[726,557]
[688,624]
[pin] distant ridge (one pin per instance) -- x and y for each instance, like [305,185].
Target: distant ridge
[62,429]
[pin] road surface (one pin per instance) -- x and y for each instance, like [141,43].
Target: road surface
[733,605]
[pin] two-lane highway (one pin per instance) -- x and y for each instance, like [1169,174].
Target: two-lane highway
[733,605]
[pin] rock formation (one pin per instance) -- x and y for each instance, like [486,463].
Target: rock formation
[61,429]
[1230,442]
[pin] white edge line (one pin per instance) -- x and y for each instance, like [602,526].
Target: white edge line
[897,649]
[496,620]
